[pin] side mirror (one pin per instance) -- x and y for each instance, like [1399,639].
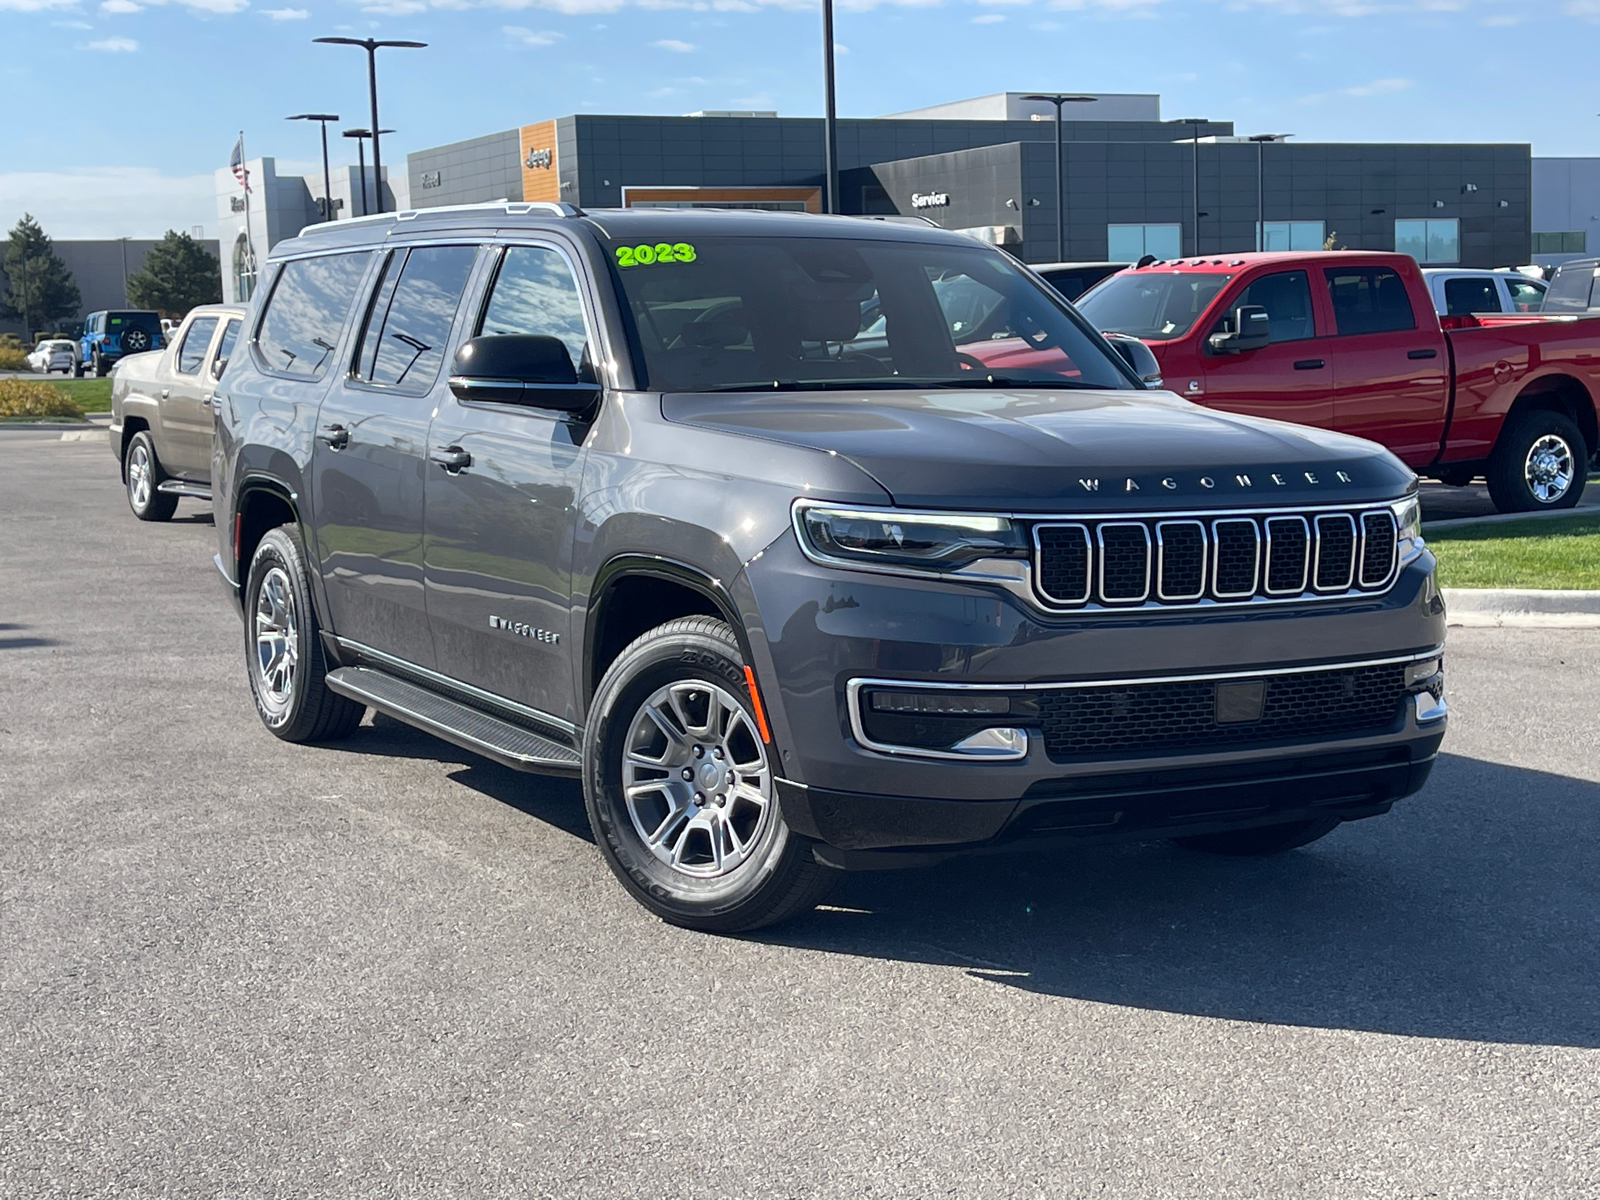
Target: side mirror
[1252,331]
[522,368]
[1138,356]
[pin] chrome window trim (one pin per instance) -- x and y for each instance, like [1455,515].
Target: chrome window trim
[1216,560]
[1394,547]
[1037,571]
[1161,560]
[1100,572]
[1305,561]
[1355,548]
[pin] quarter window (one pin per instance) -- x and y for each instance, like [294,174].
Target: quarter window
[535,293]
[415,306]
[1368,300]
[1286,295]
[306,313]
[192,354]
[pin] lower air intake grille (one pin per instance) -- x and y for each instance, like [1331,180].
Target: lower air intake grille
[1159,718]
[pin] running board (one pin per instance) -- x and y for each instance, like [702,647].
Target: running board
[505,743]
[177,487]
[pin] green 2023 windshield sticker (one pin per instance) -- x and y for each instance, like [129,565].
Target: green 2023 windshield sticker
[661,252]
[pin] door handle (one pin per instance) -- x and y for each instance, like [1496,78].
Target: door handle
[337,436]
[1429,353]
[1310,364]
[165,392]
[452,458]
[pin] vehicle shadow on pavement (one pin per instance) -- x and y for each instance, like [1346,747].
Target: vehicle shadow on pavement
[23,643]
[1472,911]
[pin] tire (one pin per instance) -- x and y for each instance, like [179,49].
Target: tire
[1266,839]
[142,476]
[98,364]
[723,861]
[135,341]
[1540,463]
[283,647]
[76,370]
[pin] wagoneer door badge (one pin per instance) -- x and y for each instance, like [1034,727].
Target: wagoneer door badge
[522,630]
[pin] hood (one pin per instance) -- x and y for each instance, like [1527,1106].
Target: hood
[1057,450]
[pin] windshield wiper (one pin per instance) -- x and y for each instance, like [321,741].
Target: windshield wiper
[816,385]
[1008,381]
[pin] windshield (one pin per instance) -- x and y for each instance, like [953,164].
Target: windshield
[747,313]
[1154,305]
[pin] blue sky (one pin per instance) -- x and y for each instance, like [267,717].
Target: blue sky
[118,110]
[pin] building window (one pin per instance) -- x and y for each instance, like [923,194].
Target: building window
[1429,241]
[1575,242]
[1290,235]
[244,269]
[1130,243]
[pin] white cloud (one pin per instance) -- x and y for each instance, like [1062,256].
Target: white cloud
[988,19]
[531,37]
[108,202]
[396,8]
[1361,91]
[116,45]
[674,45]
[121,6]
[285,14]
[72,24]
[35,5]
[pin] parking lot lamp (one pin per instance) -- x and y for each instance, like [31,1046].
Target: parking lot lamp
[361,136]
[830,140]
[1194,124]
[1261,139]
[322,120]
[1058,99]
[372,46]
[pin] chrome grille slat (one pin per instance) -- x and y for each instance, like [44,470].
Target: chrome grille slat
[1193,559]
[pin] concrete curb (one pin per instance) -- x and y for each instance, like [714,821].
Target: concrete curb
[1522,608]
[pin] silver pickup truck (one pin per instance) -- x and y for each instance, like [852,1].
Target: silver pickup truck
[161,412]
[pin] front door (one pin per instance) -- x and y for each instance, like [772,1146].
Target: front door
[500,524]
[186,401]
[1290,379]
[1390,368]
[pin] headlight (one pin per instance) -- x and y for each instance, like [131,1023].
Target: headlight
[1408,528]
[921,541]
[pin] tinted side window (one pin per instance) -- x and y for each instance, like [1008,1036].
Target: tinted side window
[1569,290]
[1369,300]
[1470,296]
[193,351]
[1286,295]
[306,313]
[1526,295]
[412,314]
[534,292]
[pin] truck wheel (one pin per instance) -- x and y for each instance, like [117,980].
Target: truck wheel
[1540,463]
[1267,839]
[283,647]
[142,474]
[76,370]
[680,790]
[98,363]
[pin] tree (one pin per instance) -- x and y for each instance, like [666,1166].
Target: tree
[39,288]
[178,273]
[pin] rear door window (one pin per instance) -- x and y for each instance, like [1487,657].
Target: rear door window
[306,313]
[192,353]
[230,335]
[1526,295]
[409,325]
[1368,300]
[1468,295]
[1286,295]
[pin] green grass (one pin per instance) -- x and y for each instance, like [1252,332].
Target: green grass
[93,394]
[1552,552]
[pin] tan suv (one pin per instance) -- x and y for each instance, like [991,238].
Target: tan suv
[161,412]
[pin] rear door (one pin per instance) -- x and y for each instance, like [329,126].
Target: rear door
[1289,380]
[1390,370]
[186,400]
[500,522]
[371,456]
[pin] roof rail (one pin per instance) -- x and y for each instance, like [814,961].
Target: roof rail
[895,219]
[510,207]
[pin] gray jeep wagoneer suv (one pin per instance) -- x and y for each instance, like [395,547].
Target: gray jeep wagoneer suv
[808,543]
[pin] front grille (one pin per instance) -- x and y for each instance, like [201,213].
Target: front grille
[1199,558]
[1160,718]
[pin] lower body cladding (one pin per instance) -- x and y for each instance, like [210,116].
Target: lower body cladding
[923,718]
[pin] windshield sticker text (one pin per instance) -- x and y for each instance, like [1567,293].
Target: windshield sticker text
[661,252]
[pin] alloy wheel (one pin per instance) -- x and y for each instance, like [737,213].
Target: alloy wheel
[1550,468]
[696,779]
[277,638]
[139,477]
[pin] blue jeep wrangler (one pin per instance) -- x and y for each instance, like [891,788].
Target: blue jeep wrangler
[108,336]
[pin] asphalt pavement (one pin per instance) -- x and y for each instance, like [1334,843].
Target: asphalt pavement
[231,967]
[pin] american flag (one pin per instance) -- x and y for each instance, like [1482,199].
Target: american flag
[237,163]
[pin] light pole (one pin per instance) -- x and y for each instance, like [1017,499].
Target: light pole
[361,135]
[1261,139]
[372,46]
[1058,99]
[1194,124]
[830,143]
[322,120]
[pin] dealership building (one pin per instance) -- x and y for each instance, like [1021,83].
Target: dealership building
[1133,183]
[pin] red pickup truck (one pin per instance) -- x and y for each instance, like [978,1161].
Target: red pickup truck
[1349,340]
